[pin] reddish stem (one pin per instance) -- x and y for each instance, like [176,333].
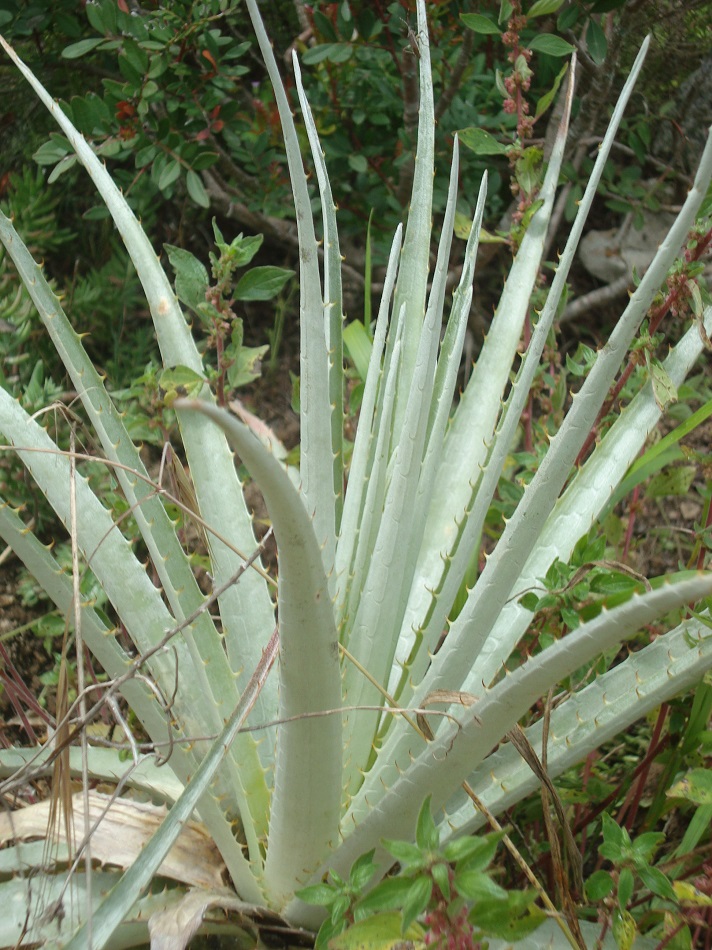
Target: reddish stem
[703,550]
[632,511]
[635,794]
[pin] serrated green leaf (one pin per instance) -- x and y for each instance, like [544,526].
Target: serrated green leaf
[441,876]
[380,932]
[323,895]
[477,886]
[461,849]
[403,851]
[362,871]
[481,857]
[387,895]
[262,283]
[416,901]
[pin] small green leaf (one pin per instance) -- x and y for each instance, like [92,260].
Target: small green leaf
[664,389]
[644,845]
[598,886]
[145,156]
[247,365]
[341,52]
[403,851]
[687,893]
[461,849]
[179,381]
[626,884]
[543,7]
[334,52]
[170,173]
[75,50]
[380,932]
[323,895]
[624,930]
[596,42]
[196,189]
[358,163]
[53,151]
[340,908]
[657,883]
[262,283]
[674,481]
[362,871]
[358,345]
[480,857]
[481,142]
[551,45]
[570,618]
[477,886]
[416,901]
[530,601]
[530,212]
[615,838]
[528,170]
[149,89]
[441,876]
[61,167]
[510,919]
[191,276]
[546,100]
[505,11]
[426,834]
[480,24]
[387,895]
[695,786]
